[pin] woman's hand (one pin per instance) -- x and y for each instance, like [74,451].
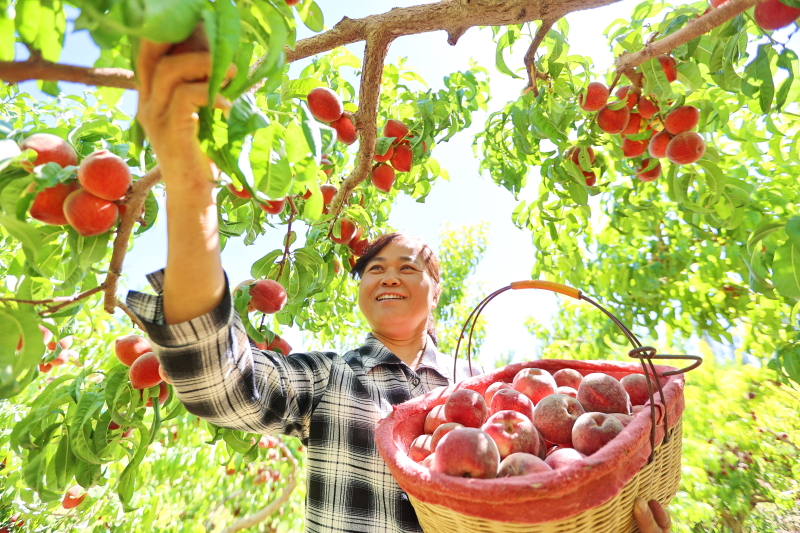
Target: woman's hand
[651,517]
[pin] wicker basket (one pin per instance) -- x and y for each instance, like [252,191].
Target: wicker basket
[594,496]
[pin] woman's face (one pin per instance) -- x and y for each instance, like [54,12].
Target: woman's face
[396,292]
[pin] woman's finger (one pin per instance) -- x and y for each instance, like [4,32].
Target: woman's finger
[644,517]
[175,71]
[149,54]
[661,516]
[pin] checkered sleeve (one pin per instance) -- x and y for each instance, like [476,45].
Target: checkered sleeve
[221,377]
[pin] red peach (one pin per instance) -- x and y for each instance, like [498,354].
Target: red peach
[574,154]
[613,120]
[420,448]
[268,296]
[773,14]
[568,377]
[649,175]
[434,419]
[658,144]
[534,383]
[403,158]
[73,497]
[130,347]
[382,158]
[466,407]
[328,192]
[48,205]
[520,464]
[647,108]
[273,207]
[343,231]
[634,148]
[383,177]
[682,119]
[467,452]
[359,245]
[105,175]
[163,392]
[594,97]
[49,148]
[685,148]
[592,431]
[602,393]
[492,389]
[441,431]
[512,432]
[624,419]
[164,377]
[569,391]
[555,415]
[144,372]
[510,399]
[563,457]
[591,178]
[196,42]
[636,409]
[636,387]
[345,130]
[88,214]
[325,105]
[634,124]
[239,193]
[429,461]
[669,65]
[395,128]
[625,93]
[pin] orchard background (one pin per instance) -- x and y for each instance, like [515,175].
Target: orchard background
[704,258]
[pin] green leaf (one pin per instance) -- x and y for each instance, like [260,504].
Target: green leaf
[299,88]
[761,232]
[505,41]
[312,17]
[224,45]
[793,230]
[786,270]
[170,21]
[6,33]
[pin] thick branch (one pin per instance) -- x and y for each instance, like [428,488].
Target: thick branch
[39,69]
[693,29]
[530,55]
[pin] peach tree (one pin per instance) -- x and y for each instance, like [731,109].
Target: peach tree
[700,239]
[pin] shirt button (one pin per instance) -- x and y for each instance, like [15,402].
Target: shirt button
[415,381]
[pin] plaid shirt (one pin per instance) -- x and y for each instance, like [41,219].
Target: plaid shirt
[331,402]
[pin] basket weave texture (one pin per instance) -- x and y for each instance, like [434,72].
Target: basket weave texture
[595,496]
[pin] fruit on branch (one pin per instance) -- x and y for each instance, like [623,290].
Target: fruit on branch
[343,231]
[105,175]
[634,148]
[239,193]
[278,344]
[591,178]
[384,157]
[686,148]
[45,367]
[326,164]
[268,296]
[163,374]
[535,383]
[511,400]
[196,42]
[73,497]
[441,431]
[647,108]
[403,157]
[625,93]
[328,192]
[144,372]
[358,245]
[568,377]
[273,207]
[325,105]
[383,177]
[594,97]
[88,214]
[467,452]
[467,408]
[163,392]
[49,148]
[649,175]
[291,3]
[773,14]
[658,144]
[574,153]
[636,387]
[555,415]
[48,205]
[613,120]
[634,124]
[594,430]
[670,67]
[63,357]
[717,3]
[682,119]
[492,389]
[512,432]
[602,393]
[395,128]
[520,464]
[130,347]
[345,130]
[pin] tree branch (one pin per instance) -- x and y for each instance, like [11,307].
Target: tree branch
[134,318]
[530,56]
[36,68]
[292,214]
[69,300]
[693,29]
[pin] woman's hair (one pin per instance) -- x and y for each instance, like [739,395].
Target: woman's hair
[431,263]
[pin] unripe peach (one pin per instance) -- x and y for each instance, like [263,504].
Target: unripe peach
[686,148]
[328,192]
[73,497]
[773,14]
[343,231]
[48,205]
[325,105]
[383,177]
[682,119]
[594,98]
[268,296]
[239,193]
[634,125]
[403,158]
[649,175]
[49,148]
[105,175]
[669,65]
[130,347]
[647,108]
[395,128]
[345,130]
[658,144]
[613,121]
[385,157]
[88,214]
[625,93]
[273,207]
[144,372]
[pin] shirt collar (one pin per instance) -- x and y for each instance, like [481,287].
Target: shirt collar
[373,352]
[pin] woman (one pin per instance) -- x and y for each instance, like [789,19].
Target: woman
[329,401]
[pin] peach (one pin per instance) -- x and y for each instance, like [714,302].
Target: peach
[164,377]
[279,345]
[273,207]
[602,393]
[512,432]
[669,65]
[382,158]
[466,407]
[434,419]
[325,105]
[328,192]
[291,3]
[383,177]
[267,296]
[239,193]
[568,377]
[649,175]
[613,120]
[144,372]
[542,444]
[636,387]
[45,367]
[683,118]
[395,128]
[658,144]
[47,337]
[88,214]
[592,431]
[773,14]
[555,415]
[591,178]
[594,97]
[326,165]
[343,231]
[345,130]
[105,175]
[574,154]
[492,389]
[48,205]
[624,419]
[429,461]
[520,464]
[647,108]
[130,347]
[441,431]
[403,158]
[685,148]
[73,497]
[163,392]
[514,400]
[420,448]
[634,148]
[569,391]
[625,93]
[563,457]
[636,409]
[634,124]
[467,452]
[358,245]
[49,148]
[63,357]
[534,383]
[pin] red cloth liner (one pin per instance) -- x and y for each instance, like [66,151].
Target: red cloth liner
[533,498]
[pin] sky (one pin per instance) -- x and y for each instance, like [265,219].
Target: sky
[467,199]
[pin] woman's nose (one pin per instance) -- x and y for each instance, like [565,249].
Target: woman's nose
[390,280]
